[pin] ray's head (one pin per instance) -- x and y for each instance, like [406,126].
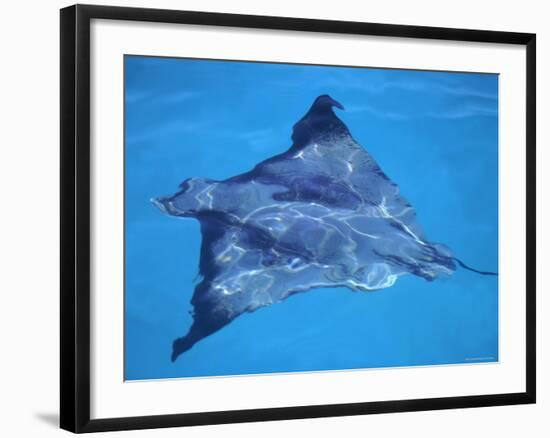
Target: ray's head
[324,103]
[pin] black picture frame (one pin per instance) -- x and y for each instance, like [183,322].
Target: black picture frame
[75,217]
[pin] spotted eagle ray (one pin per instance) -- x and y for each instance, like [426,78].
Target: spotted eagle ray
[321,214]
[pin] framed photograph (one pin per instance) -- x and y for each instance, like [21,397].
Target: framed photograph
[271,218]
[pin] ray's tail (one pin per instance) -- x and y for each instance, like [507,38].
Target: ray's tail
[469,268]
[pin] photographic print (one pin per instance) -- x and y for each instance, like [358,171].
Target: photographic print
[284,218]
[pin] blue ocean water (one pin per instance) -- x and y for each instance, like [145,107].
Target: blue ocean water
[435,134]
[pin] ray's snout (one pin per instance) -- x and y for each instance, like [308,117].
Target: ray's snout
[337,104]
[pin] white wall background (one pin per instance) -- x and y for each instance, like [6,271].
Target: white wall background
[29,237]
